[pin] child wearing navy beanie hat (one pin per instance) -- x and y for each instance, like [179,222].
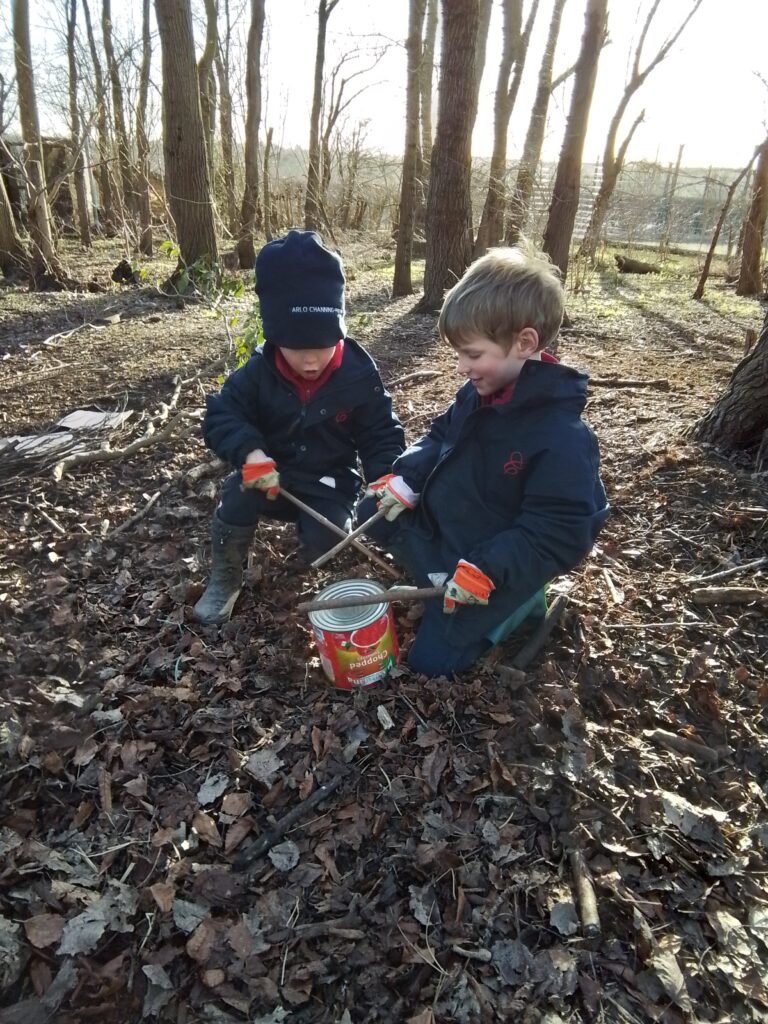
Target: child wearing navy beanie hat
[304,411]
[300,285]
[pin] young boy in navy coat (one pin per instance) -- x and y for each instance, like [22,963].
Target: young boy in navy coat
[503,492]
[300,413]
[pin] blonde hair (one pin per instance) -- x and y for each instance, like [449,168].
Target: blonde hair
[500,294]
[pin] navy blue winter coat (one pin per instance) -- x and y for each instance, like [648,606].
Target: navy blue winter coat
[350,415]
[513,488]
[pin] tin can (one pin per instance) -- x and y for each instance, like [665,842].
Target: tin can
[357,646]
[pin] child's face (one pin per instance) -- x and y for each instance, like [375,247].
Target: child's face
[489,367]
[309,363]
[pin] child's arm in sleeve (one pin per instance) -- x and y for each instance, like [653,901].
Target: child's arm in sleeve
[230,426]
[379,436]
[418,460]
[563,510]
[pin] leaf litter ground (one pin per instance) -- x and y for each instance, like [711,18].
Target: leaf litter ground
[439,881]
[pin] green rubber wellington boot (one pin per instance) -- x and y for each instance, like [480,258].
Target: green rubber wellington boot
[229,550]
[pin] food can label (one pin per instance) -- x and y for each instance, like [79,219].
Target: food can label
[359,657]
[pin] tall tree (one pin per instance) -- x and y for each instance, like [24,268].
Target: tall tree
[118,112]
[426,75]
[449,206]
[83,213]
[107,201]
[565,194]
[187,184]
[45,258]
[534,137]
[142,140]
[613,159]
[699,293]
[515,41]
[402,278]
[207,82]
[312,199]
[249,210]
[754,226]
[225,120]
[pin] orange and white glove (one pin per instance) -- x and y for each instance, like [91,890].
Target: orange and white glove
[394,494]
[468,585]
[260,472]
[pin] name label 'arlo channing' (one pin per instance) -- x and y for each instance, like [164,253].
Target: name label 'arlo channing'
[317,309]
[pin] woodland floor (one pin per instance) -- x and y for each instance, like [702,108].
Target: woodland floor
[141,754]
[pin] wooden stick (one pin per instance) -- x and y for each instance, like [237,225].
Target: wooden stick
[590,919]
[270,837]
[387,596]
[359,546]
[528,652]
[682,745]
[348,539]
[733,571]
[729,595]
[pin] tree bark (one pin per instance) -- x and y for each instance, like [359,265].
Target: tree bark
[749,282]
[44,257]
[402,284]
[83,215]
[14,255]
[613,162]
[225,124]
[118,113]
[266,186]
[534,137]
[207,83]
[187,184]
[142,141]
[426,75]
[102,132]
[740,416]
[311,201]
[449,208]
[565,194]
[249,209]
[699,293]
[514,50]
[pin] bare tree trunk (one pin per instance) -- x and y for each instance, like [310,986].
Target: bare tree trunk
[311,201]
[426,75]
[142,142]
[83,219]
[612,161]
[669,193]
[514,50]
[14,255]
[225,124]
[266,186]
[187,185]
[118,113]
[699,293]
[449,241]
[740,416]
[481,48]
[534,138]
[402,278]
[749,282]
[207,83]
[565,194]
[105,183]
[45,259]
[249,209]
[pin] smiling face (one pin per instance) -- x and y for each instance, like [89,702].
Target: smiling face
[308,363]
[489,366]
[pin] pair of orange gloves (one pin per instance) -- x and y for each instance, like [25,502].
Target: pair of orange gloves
[468,585]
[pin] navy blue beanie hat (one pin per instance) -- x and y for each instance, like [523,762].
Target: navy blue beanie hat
[300,285]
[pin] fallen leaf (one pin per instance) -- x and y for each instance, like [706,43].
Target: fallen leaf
[44,930]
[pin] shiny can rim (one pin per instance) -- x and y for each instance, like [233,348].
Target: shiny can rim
[343,620]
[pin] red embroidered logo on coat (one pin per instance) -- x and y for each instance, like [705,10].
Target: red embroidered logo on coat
[514,464]
[341,416]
